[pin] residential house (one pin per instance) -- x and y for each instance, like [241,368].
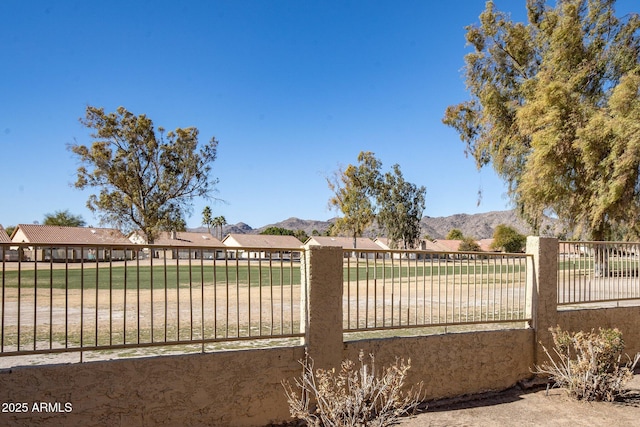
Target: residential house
[485,245]
[362,244]
[385,244]
[57,243]
[182,245]
[4,237]
[443,245]
[263,246]
[6,253]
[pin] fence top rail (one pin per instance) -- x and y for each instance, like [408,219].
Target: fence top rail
[596,242]
[134,246]
[428,252]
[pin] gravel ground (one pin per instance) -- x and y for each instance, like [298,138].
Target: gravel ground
[530,407]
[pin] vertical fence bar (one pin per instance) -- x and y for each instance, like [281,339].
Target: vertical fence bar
[4,270]
[111,292]
[66,297]
[151,286]
[138,316]
[35,300]
[202,336]
[190,296]
[50,303]
[177,252]
[238,291]
[19,297]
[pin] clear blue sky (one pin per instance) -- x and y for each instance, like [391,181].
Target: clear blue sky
[291,89]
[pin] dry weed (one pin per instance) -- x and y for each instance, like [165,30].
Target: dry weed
[352,397]
[589,365]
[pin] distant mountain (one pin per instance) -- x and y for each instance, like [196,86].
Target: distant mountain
[479,226]
[308,225]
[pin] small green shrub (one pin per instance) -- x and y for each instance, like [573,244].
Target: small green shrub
[352,397]
[588,365]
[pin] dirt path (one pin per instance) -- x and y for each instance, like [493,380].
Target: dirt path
[535,407]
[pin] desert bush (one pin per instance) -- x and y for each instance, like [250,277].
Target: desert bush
[352,396]
[589,364]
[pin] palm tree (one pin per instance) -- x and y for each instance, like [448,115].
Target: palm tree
[206,218]
[219,222]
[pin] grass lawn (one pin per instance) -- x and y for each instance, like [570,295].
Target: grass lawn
[133,277]
[169,276]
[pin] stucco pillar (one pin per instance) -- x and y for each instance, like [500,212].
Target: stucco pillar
[322,322]
[542,291]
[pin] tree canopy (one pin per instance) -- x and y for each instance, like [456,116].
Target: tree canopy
[363,194]
[401,206]
[207,218]
[555,109]
[147,178]
[454,234]
[64,219]
[508,239]
[354,192]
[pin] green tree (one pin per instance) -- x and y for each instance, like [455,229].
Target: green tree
[507,239]
[207,218]
[469,244]
[147,179]
[455,234]
[555,110]
[301,235]
[278,231]
[10,229]
[354,193]
[401,205]
[219,222]
[64,219]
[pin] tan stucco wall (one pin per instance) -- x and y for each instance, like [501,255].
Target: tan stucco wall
[626,319]
[239,388]
[457,363]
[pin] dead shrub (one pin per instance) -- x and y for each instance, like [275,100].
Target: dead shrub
[351,396]
[589,364]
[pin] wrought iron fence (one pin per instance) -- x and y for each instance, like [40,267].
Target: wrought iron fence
[409,289]
[592,272]
[70,298]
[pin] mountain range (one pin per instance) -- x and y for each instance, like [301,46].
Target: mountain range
[478,226]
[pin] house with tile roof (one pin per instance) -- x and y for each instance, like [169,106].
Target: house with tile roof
[362,244]
[6,252]
[4,237]
[265,245]
[385,244]
[182,245]
[57,243]
[485,245]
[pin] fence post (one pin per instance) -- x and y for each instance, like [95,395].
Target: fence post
[322,320]
[542,291]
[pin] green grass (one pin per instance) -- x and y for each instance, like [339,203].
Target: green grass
[145,276]
[387,271]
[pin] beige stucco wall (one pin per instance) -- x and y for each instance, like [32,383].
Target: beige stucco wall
[239,388]
[457,363]
[626,319]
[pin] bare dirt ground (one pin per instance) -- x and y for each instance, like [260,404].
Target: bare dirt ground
[536,406]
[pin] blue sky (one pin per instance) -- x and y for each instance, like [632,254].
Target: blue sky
[291,89]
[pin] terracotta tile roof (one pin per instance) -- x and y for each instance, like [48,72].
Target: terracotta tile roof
[485,245]
[33,233]
[345,242]
[443,245]
[4,237]
[262,241]
[182,238]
